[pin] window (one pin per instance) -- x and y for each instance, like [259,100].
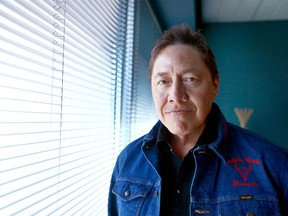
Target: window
[65,103]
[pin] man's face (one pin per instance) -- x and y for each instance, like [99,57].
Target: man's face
[182,89]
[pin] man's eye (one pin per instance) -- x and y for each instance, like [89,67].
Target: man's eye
[190,79]
[162,82]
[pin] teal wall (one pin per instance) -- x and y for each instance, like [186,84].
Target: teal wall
[253,65]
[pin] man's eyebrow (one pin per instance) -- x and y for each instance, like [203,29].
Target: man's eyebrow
[160,74]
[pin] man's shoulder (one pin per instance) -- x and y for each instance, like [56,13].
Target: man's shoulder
[246,140]
[141,141]
[135,144]
[132,159]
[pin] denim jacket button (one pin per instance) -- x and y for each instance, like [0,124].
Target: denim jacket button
[250,214]
[127,193]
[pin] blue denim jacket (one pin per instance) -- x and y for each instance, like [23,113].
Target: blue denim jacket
[238,174]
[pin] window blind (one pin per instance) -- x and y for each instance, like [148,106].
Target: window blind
[147,31]
[65,83]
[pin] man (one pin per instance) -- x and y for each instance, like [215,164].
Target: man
[193,162]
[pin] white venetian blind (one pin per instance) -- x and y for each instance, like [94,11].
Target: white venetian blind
[65,70]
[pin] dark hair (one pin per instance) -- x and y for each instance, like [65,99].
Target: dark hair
[183,34]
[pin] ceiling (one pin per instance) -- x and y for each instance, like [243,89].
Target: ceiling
[196,12]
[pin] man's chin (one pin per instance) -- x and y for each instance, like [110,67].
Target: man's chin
[178,129]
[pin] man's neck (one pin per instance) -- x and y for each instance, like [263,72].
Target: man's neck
[181,145]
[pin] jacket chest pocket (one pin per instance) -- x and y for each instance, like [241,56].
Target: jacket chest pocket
[130,197]
[240,205]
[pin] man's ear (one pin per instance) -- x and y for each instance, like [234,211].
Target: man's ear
[216,82]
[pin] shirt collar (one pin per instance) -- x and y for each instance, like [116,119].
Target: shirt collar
[162,140]
[219,146]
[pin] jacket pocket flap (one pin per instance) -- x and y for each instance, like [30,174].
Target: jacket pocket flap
[130,190]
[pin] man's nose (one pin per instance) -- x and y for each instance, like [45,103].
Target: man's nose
[177,92]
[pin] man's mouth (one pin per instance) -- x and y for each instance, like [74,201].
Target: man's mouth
[178,111]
